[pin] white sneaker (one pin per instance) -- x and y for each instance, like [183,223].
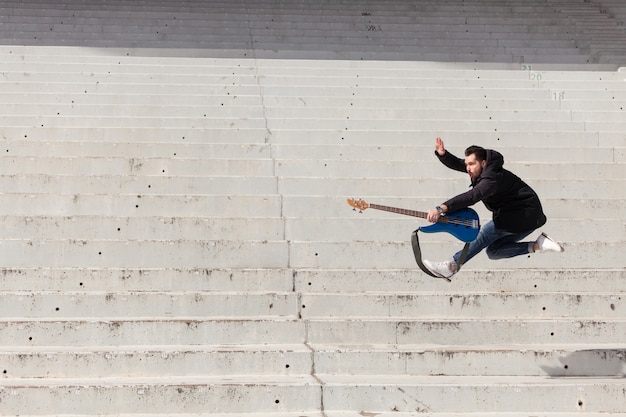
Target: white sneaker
[443,269]
[548,245]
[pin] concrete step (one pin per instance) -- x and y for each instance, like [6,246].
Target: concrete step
[123,253]
[137,184]
[98,80]
[358,145]
[476,395]
[363,306]
[465,332]
[337,110]
[459,414]
[115,280]
[66,62]
[155,361]
[259,167]
[347,281]
[47,103]
[338,168]
[355,123]
[530,360]
[149,304]
[335,48]
[121,63]
[158,331]
[217,80]
[419,360]
[343,413]
[399,254]
[72,253]
[308,413]
[228,60]
[249,304]
[145,227]
[165,207]
[412,280]
[214,139]
[201,122]
[180,167]
[101,144]
[496,140]
[425,152]
[161,396]
[333,111]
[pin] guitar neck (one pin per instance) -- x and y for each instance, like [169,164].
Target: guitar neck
[413,213]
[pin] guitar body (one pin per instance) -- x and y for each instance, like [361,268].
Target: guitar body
[457,224]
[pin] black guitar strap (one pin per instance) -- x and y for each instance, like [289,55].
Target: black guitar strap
[418,256]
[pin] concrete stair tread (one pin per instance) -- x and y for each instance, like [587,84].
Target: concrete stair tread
[239,347]
[286,168]
[152,319]
[421,348]
[343,413]
[409,280]
[412,153]
[274,86]
[259,414]
[459,381]
[206,56]
[339,413]
[441,320]
[305,71]
[505,280]
[415,348]
[312,413]
[325,379]
[149,279]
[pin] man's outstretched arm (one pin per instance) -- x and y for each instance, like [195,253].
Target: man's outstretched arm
[447,158]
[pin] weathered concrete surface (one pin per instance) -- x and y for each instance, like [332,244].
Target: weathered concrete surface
[188,395]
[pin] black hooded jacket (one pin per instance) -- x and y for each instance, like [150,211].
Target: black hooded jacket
[515,206]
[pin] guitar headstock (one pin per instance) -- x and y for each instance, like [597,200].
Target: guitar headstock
[358,204]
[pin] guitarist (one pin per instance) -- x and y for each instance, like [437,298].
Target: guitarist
[515,206]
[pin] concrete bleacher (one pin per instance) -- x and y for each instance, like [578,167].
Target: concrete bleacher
[176,236]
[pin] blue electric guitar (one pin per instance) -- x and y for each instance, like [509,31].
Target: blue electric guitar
[463,224]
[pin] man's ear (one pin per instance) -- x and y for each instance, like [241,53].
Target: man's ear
[483,163]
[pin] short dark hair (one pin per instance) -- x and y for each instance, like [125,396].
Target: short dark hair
[479,151]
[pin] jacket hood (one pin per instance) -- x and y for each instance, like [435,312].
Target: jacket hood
[495,160]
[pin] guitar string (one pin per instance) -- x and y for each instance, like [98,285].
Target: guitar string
[463,222]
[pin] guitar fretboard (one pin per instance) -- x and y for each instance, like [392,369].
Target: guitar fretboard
[413,213]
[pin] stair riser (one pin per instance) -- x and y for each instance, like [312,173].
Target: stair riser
[155,363]
[149,305]
[158,399]
[469,332]
[155,332]
[526,362]
[479,398]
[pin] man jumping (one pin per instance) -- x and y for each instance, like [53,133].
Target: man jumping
[515,206]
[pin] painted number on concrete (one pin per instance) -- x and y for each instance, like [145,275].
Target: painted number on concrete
[558,95]
[532,75]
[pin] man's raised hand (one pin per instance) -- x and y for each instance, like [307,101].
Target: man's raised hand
[439,147]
